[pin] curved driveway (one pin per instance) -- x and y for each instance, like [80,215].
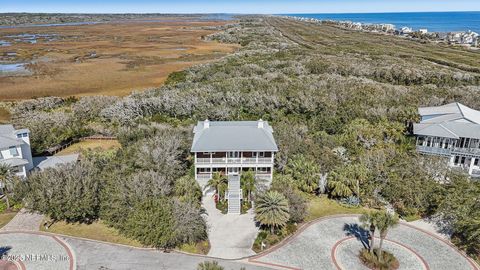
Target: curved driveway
[333,242]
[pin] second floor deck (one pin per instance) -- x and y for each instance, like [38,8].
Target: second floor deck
[235,158]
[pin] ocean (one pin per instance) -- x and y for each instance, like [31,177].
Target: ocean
[433,21]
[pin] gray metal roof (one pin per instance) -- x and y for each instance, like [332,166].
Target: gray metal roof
[453,120]
[8,136]
[453,110]
[45,162]
[219,136]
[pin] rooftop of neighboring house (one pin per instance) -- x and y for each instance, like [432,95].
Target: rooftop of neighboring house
[9,136]
[452,120]
[45,162]
[222,136]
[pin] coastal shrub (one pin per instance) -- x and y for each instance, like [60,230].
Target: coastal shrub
[68,192]
[388,261]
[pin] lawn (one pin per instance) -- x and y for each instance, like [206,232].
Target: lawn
[96,231]
[6,216]
[102,145]
[323,206]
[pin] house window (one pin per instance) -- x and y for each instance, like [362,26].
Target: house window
[456,159]
[24,135]
[261,154]
[19,135]
[476,161]
[13,151]
[463,160]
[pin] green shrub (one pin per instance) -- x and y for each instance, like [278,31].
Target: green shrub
[176,77]
[209,265]
[389,261]
[3,206]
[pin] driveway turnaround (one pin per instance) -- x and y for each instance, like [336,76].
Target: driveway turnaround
[230,236]
[97,255]
[36,251]
[334,242]
[41,251]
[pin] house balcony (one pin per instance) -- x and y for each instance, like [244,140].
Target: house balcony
[467,151]
[225,160]
[434,150]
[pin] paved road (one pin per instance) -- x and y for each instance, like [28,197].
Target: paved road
[230,236]
[333,243]
[94,255]
[36,251]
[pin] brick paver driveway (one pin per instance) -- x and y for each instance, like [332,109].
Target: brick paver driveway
[334,242]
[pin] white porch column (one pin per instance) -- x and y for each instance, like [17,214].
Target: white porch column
[241,157]
[452,160]
[256,158]
[470,170]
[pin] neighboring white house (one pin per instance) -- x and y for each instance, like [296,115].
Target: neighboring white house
[15,152]
[451,131]
[232,147]
[15,149]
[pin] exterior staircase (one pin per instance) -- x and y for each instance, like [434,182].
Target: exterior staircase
[234,194]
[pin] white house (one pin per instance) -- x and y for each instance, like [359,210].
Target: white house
[15,149]
[451,131]
[230,148]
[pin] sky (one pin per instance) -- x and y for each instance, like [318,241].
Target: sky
[237,6]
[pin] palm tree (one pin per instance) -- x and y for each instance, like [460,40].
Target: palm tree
[384,221]
[368,221]
[219,182]
[247,180]
[304,171]
[6,178]
[272,210]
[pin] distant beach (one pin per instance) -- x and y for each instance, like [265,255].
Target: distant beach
[433,21]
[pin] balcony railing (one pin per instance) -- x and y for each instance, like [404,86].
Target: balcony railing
[204,176]
[475,173]
[234,160]
[471,151]
[434,150]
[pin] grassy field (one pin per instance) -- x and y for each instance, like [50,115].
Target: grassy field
[107,58]
[322,206]
[96,231]
[103,145]
[6,217]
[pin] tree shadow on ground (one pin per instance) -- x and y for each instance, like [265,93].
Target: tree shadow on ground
[360,233]
[4,251]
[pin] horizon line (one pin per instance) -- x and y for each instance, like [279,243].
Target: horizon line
[233,13]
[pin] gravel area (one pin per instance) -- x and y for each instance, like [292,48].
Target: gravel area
[311,249]
[36,252]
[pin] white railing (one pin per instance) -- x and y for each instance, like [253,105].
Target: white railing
[434,150]
[475,173]
[204,176]
[234,160]
[472,151]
